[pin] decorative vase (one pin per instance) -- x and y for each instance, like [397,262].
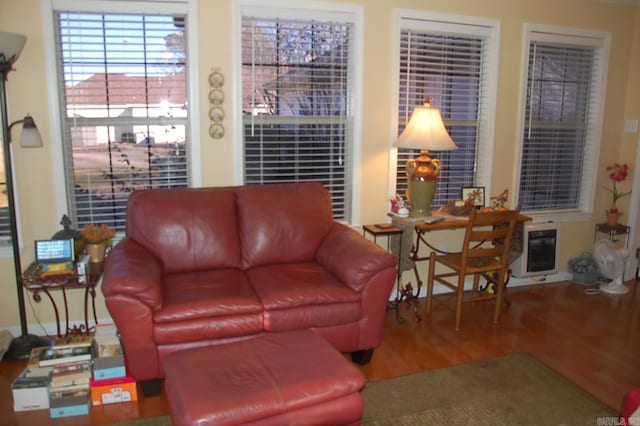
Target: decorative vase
[612,217]
[96,252]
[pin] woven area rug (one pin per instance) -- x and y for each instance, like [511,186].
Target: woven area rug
[514,389]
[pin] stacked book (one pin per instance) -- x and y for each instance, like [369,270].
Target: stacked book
[74,372]
[70,360]
[110,382]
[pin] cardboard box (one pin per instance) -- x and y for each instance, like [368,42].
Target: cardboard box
[30,398]
[109,367]
[68,411]
[108,358]
[65,404]
[31,389]
[112,391]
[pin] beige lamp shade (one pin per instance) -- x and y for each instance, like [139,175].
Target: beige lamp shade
[10,48]
[426,130]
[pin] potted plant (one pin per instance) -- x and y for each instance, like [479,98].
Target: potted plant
[584,269]
[617,173]
[97,237]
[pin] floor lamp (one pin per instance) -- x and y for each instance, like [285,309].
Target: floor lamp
[10,47]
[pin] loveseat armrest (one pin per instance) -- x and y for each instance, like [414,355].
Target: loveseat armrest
[132,286]
[366,268]
[351,257]
[131,270]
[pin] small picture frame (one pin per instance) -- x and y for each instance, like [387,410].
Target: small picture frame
[475,194]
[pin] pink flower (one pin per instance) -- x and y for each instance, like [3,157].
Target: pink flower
[617,173]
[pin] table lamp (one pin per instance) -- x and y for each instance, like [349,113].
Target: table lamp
[424,131]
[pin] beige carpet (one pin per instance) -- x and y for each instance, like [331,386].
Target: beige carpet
[514,389]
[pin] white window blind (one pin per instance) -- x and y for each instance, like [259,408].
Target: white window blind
[560,122]
[296,94]
[122,88]
[451,68]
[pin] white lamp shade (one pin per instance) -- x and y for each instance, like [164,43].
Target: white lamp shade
[426,131]
[10,47]
[30,137]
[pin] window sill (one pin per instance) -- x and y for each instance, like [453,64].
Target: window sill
[559,216]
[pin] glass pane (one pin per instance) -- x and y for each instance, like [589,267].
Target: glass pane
[123,79]
[447,70]
[295,98]
[106,172]
[298,153]
[556,126]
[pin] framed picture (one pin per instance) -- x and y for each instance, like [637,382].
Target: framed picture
[475,194]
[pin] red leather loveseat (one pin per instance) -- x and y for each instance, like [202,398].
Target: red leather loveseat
[213,265]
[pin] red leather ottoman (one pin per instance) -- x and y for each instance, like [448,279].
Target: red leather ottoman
[283,378]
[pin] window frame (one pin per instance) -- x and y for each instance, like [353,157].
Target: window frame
[49,8]
[461,25]
[6,246]
[303,9]
[601,41]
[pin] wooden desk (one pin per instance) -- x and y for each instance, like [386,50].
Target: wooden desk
[421,229]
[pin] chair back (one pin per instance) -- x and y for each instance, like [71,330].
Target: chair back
[488,238]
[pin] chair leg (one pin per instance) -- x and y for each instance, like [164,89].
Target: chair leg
[459,295]
[476,284]
[432,268]
[499,294]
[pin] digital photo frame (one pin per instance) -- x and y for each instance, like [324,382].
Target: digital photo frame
[54,251]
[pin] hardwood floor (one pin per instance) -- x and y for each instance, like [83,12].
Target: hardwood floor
[593,340]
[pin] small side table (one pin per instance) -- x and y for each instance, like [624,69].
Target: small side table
[387,229]
[33,282]
[612,232]
[381,229]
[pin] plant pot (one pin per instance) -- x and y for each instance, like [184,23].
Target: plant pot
[612,217]
[96,252]
[585,278]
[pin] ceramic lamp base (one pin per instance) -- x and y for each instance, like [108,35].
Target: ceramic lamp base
[422,194]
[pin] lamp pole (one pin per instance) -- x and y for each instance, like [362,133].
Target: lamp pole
[20,346]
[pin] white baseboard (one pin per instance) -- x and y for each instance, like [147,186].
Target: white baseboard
[50,328]
[468,285]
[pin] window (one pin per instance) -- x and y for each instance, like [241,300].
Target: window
[123,105]
[450,60]
[297,100]
[561,120]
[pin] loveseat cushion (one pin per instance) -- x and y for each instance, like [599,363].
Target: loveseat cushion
[303,295]
[207,304]
[187,229]
[192,295]
[282,223]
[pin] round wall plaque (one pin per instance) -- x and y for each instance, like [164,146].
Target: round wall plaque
[216,130]
[216,113]
[216,79]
